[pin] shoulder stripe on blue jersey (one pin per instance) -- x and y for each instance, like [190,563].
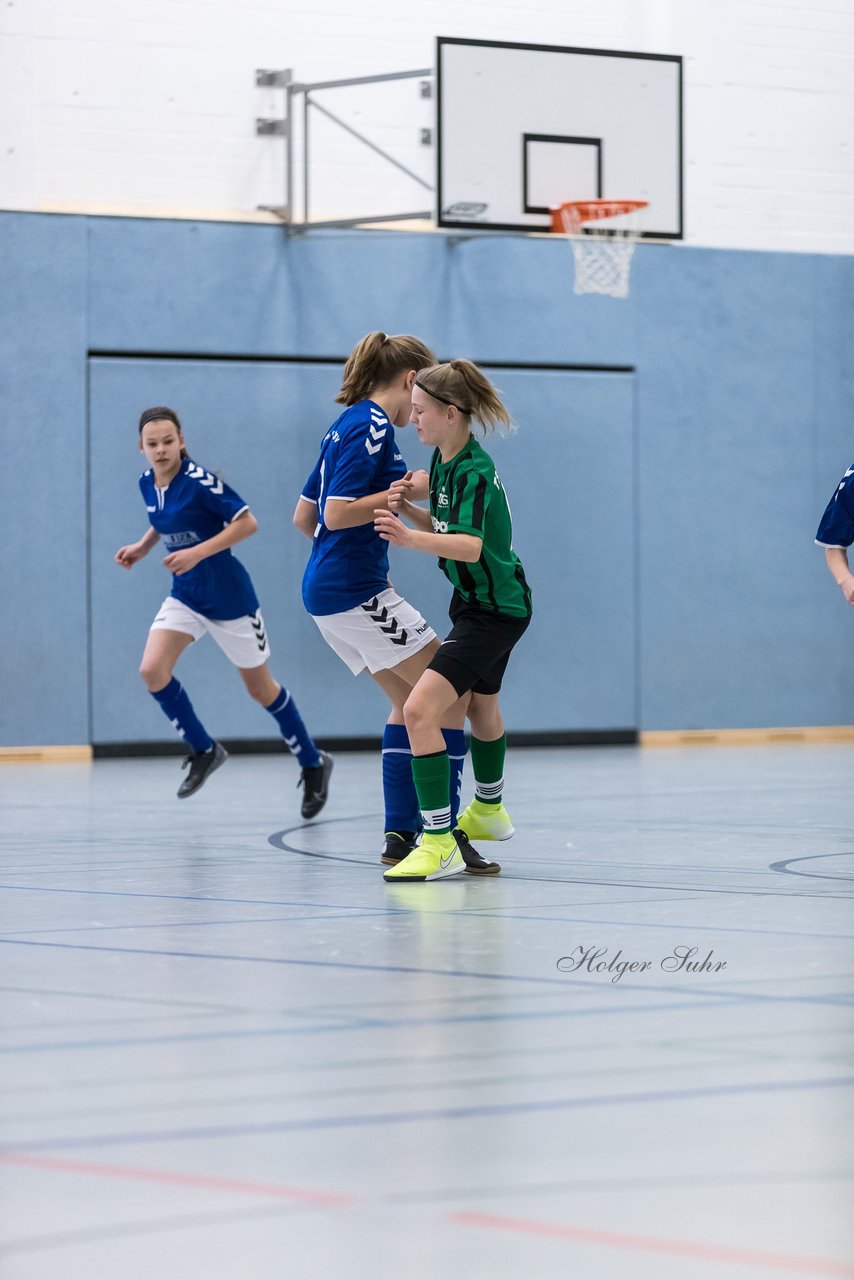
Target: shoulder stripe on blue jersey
[205,478]
[378,437]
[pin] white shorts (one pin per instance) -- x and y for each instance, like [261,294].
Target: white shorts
[243,640]
[379,634]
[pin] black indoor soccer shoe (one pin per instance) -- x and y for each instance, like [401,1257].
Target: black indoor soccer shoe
[476,864]
[398,845]
[315,785]
[202,763]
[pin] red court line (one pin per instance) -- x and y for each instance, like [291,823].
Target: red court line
[168,1177]
[672,1248]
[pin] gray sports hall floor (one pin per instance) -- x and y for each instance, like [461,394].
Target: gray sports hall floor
[230,1050]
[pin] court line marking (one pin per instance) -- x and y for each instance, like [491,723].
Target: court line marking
[278,842]
[693,998]
[168,1177]
[485,912]
[740,997]
[582,1235]
[176,1222]
[189,1076]
[343,913]
[659,1245]
[785,867]
[365,1024]
[429,1116]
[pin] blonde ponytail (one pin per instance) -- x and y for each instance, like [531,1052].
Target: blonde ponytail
[461,383]
[377,360]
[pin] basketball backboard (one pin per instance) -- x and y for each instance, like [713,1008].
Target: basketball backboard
[523,127]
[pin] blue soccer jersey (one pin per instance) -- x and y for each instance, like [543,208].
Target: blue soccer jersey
[358,456]
[192,508]
[837,524]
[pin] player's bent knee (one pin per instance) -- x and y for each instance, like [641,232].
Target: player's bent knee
[155,677]
[417,714]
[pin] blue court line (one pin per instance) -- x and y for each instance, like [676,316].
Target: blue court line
[337,965]
[363,1024]
[477,911]
[785,867]
[175,897]
[442,1114]
[351,966]
[343,913]
[731,997]
[487,913]
[277,842]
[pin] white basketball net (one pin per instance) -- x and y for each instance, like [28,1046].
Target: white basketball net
[603,254]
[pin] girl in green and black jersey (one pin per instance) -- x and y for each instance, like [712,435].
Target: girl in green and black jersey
[468,527]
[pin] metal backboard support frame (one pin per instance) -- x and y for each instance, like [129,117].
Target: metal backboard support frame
[285,127]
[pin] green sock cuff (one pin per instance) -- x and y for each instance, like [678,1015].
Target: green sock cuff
[487,762]
[432,778]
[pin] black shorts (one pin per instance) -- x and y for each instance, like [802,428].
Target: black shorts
[474,655]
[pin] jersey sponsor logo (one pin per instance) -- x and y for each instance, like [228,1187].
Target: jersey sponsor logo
[419,631]
[443,500]
[185,539]
[439,526]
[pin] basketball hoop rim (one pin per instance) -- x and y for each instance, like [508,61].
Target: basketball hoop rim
[593,210]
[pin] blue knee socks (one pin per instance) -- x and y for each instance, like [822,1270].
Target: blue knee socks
[179,709]
[299,741]
[401,803]
[402,811]
[455,742]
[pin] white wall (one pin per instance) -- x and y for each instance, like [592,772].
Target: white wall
[150,108]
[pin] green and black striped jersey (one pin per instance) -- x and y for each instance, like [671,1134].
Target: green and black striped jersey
[466,496]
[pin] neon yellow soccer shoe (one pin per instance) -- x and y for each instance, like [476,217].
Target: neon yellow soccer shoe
[435,858]
[486,821]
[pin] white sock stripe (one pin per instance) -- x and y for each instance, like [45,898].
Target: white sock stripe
[434,818]
[489,790]
[397,751]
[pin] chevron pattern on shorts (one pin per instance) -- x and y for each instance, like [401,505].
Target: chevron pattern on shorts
[379,614]
[260,634]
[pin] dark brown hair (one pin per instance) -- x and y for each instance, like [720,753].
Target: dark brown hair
[160,413]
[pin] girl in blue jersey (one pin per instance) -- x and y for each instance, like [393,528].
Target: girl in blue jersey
[199,519]
[346,587]
[836,534]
